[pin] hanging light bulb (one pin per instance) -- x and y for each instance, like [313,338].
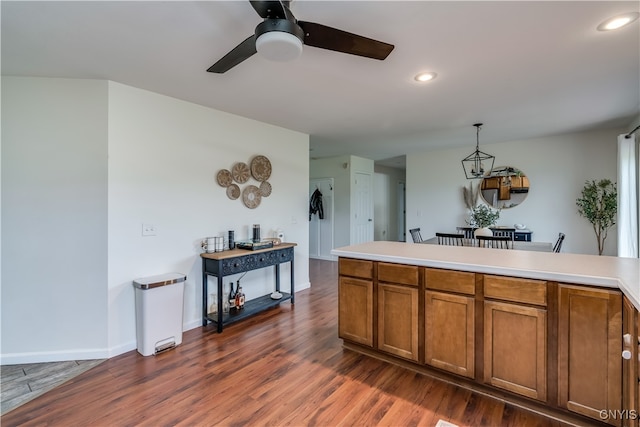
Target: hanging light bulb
[473,164]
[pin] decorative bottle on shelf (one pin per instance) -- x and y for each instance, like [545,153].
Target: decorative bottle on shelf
[232,298]
[239,298]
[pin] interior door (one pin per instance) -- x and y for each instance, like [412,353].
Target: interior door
[362,230]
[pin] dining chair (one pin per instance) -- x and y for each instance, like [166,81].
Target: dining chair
[496,242]
[451,239]
[509,232]
[467,231]
[558,245]
[415,235]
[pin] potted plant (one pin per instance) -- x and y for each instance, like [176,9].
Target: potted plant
[483,217]
[599,204]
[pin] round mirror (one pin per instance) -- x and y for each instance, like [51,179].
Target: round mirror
[504,187]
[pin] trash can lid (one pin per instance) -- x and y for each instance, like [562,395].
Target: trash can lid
[159,280]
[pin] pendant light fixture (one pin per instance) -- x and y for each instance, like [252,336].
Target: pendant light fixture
[474,163]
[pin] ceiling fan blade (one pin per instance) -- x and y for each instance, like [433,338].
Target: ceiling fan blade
[238,54]
[272,9]
[324,37]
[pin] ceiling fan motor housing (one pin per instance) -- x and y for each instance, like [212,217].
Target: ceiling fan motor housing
[279,39]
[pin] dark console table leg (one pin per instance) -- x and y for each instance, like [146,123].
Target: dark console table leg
[293,291]
[204,295]
[220,305]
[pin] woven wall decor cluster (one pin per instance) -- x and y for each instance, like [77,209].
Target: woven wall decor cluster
[259,168]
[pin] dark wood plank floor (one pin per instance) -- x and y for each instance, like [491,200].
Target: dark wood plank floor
[285,367]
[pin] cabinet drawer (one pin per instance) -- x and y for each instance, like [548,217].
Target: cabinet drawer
[514,289]
[397,273]
[452,281]
[355,268]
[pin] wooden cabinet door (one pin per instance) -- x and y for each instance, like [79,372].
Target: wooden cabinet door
[630,364]
[398,320]
[491,183]
[504,192]
[589,351]
[355,310]
[450,332]
[515,348]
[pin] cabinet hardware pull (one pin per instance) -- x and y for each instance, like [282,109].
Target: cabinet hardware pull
[626,353]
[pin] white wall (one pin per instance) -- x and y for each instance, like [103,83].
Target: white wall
[54,219]
[385,186]
[557,168]
[163,156]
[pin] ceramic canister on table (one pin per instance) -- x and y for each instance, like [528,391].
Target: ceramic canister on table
[219,244]
[256,233]
[232,240]
[209,244]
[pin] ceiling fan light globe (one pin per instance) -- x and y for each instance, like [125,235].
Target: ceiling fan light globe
[279,46]
[618,21]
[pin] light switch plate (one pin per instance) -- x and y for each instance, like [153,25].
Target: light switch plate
[148,230]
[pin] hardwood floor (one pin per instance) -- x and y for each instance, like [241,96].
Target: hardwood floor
[283,367]
[25,382]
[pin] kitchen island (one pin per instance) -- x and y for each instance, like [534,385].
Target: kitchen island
[554,332]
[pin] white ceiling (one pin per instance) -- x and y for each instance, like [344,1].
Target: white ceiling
[524,69]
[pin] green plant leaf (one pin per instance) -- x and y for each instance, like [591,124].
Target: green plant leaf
[599,205]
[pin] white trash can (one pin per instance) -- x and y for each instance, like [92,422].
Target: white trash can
[159,307]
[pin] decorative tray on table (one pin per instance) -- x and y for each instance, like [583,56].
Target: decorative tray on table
[253,246]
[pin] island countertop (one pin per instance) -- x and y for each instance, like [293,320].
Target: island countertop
[594,270]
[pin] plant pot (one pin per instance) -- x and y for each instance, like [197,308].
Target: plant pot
[484,231]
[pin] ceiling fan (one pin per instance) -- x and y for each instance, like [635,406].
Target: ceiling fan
[280,37]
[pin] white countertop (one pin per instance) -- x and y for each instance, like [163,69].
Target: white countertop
[606,271]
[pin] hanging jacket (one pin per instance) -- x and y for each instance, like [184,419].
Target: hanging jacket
[315,205]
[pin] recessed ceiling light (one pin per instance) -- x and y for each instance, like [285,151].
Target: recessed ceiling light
[618,21]
[425,77]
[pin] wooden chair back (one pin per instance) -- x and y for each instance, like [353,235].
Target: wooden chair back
[451,239]
[496,242]
[558,245]
[415,235]
[500,232]
[467,231]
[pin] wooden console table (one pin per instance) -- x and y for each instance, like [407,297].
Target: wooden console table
[221,264]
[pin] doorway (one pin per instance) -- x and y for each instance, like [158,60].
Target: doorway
[321,230]
[402,211]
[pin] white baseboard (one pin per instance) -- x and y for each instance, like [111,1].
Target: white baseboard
[53,356]
[93,354]
[192,325]
[122,348]
[300,287]
[324,258]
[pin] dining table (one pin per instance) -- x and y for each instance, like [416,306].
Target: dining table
[517,245]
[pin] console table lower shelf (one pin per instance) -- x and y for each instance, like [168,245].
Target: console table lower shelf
[251,307]
[226,263]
